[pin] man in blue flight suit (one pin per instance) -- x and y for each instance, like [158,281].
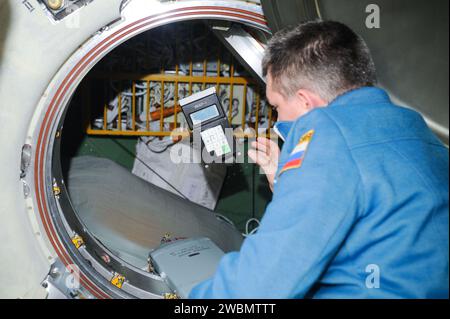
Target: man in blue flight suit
[360,190]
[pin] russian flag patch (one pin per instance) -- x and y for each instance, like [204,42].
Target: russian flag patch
[298,153]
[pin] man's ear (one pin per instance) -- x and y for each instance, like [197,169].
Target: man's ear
[303,99]
[310,100]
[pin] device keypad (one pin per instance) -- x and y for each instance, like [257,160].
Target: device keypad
[216,141]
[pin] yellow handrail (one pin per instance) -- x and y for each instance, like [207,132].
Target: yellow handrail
[164,111]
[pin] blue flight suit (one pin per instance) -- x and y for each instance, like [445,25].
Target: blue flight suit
[364,216]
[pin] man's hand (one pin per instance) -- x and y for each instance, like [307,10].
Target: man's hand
[265,153]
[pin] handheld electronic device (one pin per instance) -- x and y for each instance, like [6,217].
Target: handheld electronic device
[205,116]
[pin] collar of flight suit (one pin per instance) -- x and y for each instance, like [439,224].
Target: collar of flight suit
[363,95]
[282,129]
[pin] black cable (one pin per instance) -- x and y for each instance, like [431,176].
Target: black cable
[253,190]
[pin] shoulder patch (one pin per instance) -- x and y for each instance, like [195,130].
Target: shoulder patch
[298,153]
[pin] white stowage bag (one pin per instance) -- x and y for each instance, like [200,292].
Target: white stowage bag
[199,184]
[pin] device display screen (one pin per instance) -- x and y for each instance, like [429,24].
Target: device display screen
[204,115]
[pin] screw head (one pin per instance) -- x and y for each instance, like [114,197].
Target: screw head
[55,4]
[55,272]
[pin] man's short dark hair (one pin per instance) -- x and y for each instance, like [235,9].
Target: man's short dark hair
[325,57]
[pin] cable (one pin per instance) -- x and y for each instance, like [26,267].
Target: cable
[319,14]
[229,221]
[253,190]
[247,224]
[158,147]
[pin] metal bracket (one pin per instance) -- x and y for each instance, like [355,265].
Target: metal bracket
[59,9]
[243,46]
[25,160]
[63,283]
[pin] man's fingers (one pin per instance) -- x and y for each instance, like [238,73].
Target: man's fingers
[265,154]
[259,147]
[264,140]
[264,145]
[259,158]
[264,162]
[270,144]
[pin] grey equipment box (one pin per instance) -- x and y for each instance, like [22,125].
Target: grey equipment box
[185,263]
